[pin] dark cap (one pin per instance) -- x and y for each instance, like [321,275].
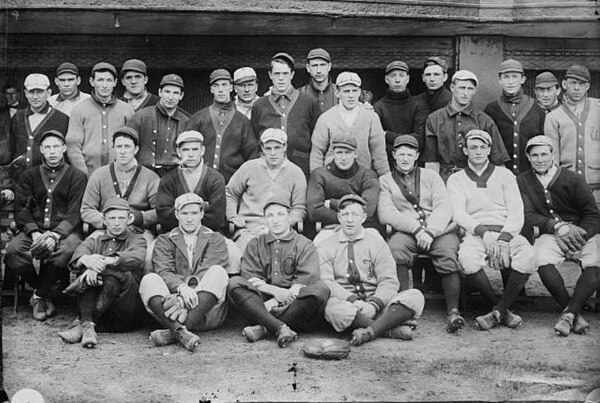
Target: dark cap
[52,133]
[219,74]
[351,198]
[511,66]
[115,203]
[134,65]
[406,140]
[344,141]
[285,57]
[67,68]
[319,53]
[578,72]
[103,66]
[433,60]
[278,199]
[545,80]
[127,132]
[539,140]
[396,65]
[171,79]
[479,134]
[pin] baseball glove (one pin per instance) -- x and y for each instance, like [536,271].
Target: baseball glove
[326,349]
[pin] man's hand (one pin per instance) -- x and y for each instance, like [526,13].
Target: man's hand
[572,239]
[174,308]
[492,250]
[504,257]
[43,244]
[238,222]
[7,195]
[93,262]
[283,295]
[35,236]
[189,295]
[424,240]
[367,309]
[577,236]
[91,278]
[295,289]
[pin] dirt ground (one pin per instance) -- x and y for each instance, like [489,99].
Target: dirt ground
[531,363]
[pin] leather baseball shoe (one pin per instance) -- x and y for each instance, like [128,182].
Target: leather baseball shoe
[565,324]
[488,321]
[402,332]
[580,326]
[189,340]
[50,308]
[89,339]
[511,320]
[362,336]
[39,308]
[455,321]
[162,337]
[286,336]
[73,334]
[254,333]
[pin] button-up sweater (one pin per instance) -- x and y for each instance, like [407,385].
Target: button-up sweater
[66,105]
[326,98]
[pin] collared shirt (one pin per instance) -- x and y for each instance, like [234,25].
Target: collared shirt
[124,176]
[192,175]
[283,100]
[190,241]
[65,105]
[575,107]
[408,180]
[245,108]
[546,178]
[325,98]
[35,118]
[137,101]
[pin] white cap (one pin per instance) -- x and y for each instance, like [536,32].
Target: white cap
[37,81]
[347,77]
[244,74]
[274,135]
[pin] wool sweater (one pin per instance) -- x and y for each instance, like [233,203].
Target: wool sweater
[67,105]
[432,199]
[437,99]
[326,99]
[367,131]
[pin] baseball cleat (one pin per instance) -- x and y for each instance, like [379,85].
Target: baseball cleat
[565,324]
[361,336]
[254,333]
[580,326]
[455,321]
[73,334]
[187,338]
[162,337]
[511,320]
[89,339]
[286,336]
[402,332]
[488,321]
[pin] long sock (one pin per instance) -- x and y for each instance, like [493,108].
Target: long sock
[253,307]
[197,316]
[87,304]
[515,284]
[392,317]
[301,311]
[110,290]
[451,287]
[586,285]
[482,283]
[156,305]
[554,283]
[402,273]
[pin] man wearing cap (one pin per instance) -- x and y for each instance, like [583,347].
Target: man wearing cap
[435,74]
[94,120]
[67,80]
[288,109]
[107,268]
[414,201]
[488,206]
[400,113]
[328,184]
[159,125]
[575,128]
[279,289]
[245,85]
[559,203]
[187,288]
[257,180]
[446,128]
[349,118]
[320,87]
[134,77]
[127,179]
[547,90]
[48,199]
[518,117]
[358,267]
[228,137]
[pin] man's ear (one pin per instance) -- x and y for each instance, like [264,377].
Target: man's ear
[130,219]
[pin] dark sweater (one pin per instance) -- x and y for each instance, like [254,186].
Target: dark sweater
[569,197]
[437,99]
[211,188]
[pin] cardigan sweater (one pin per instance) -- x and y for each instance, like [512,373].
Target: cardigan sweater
[326,99]
[367,131]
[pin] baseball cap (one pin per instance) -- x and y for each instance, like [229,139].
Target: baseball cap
[52,133]
[189,198]
[244,74]
[436,60]
[274,135]
[344,141]
[348,77]
[134,65]
[278,199]
[219,74]
[479,134]
[578,72]
[103,66]
[128,132]
[351,198]
[545,80]
[115,203]
[406,140]
[285,57]
[396,65]
[539,140]
[189,136]
[511,66]
[36,81]
[171,79]
[67,68]
[319,53]
[465,75]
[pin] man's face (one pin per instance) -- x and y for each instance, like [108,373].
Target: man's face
[221,90]
[190,153]
[116,221]
[348,96]
[190,217]
[12,95]
[37,98]
[344,158]
[397,80]
[351,219]
[575,90]
[318,70]
[547,96]
[125,150]
[246,91]
[103,83]
[278,220]
[405,158]
[67,84]
[477,151]
[541,158]
[281,75]
[134,82]
[170,96]
[434,77]
[53,149]
[511,82]
[463,91]
[274,153]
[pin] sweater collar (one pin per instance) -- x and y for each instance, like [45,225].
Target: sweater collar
[45,109]
[227,106]
[481,181]
[512,99]
[344,174]
[286,238]
[121,237]
[397,96]
[112,100]
[60,97]
[453,111]
[56,168]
